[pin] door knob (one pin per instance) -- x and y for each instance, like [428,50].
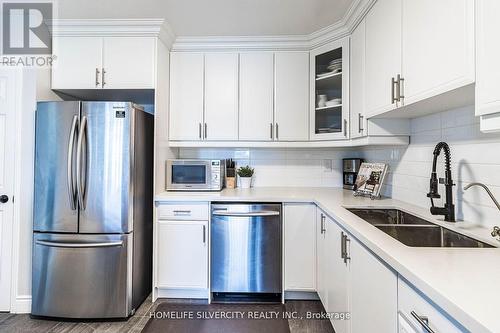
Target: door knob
[4,198]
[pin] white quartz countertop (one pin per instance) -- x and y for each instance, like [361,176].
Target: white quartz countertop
[462,281]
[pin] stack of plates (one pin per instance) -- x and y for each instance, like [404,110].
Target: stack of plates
[335,66]
[333,102]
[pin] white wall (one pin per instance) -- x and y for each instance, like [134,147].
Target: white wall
[283,167]
[475,158]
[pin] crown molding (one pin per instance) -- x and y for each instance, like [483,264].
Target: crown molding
[115,27]
[335,31]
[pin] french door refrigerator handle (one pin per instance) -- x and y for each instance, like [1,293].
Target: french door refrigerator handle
[78,245]
[69,166]
[80,188]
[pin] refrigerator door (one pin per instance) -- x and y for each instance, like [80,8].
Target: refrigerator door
[104,167]
[82,276]
[55,208]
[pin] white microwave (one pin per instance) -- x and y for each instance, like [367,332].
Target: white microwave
[195,175]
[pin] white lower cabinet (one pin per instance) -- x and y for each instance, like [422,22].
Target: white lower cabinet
[356,289]
[417,315]
[182,254]
[300,247]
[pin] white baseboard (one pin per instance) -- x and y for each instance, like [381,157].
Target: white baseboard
[22,304]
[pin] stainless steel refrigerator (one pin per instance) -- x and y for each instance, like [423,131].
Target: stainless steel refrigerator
[93,209]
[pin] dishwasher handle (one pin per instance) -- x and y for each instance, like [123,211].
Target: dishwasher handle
[246,214]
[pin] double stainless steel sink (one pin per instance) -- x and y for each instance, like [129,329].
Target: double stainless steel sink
[414,231]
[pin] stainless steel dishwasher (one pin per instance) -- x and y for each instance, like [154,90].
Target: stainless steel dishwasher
[246,248]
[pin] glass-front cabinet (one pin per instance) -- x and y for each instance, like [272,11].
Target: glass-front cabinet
[330,91]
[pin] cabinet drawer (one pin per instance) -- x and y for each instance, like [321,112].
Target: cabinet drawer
[184,211]
[411,301]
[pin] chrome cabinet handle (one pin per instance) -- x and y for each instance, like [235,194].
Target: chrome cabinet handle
[323,218]
[343,243]
[103,77]
[69,166]
[78,245]
[271,130]
[393,97]
[400,92]
[423,321]
[360,123]
[182,212]
[199,130]
[277,133]
[204,234]
[206,131]
[97,77]
[79,182]
[345,127]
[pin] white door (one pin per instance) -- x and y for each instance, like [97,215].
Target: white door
[221,96]
[300,247]
[291,96]
[438,47]
[357,82]
[182,254]
[337,277]
[78,62]
[321,257]
[129,63]
[371,283]
[7,143]
[256,96]
[383,54]
[186,96]
[487,55]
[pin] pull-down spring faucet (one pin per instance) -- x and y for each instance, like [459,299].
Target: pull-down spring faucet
[449,208]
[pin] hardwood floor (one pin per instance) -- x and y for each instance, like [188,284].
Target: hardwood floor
[22,323]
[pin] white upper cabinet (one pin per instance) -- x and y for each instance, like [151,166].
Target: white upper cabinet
[221,96]
[104,63]
[438,46]
[291,96]
[78,62]
[129,63]
[487,60]
[186,96]
[383,55]
[300,247]
[329,96]
[256,96]
[358,124]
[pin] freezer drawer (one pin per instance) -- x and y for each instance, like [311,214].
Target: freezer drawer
[82,276]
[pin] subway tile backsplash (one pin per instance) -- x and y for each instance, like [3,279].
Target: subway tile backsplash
[475,157]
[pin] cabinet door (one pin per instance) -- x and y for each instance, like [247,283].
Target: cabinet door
[438,47]
[186,96]
[182,254]
[371,283]
[256,96]
[383,55]
[221,96]
[357,81]
[129,63]
[78,62]
[291,96]
[488,54]
[321,255]
[337,277]
[300,247]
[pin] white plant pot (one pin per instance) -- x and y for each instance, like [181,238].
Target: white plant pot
[245,182]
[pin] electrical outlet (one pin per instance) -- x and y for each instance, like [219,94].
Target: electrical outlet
[328,166]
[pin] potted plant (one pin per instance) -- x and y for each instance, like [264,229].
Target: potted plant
[245,173]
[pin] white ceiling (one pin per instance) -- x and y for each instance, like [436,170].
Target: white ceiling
[217,17]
